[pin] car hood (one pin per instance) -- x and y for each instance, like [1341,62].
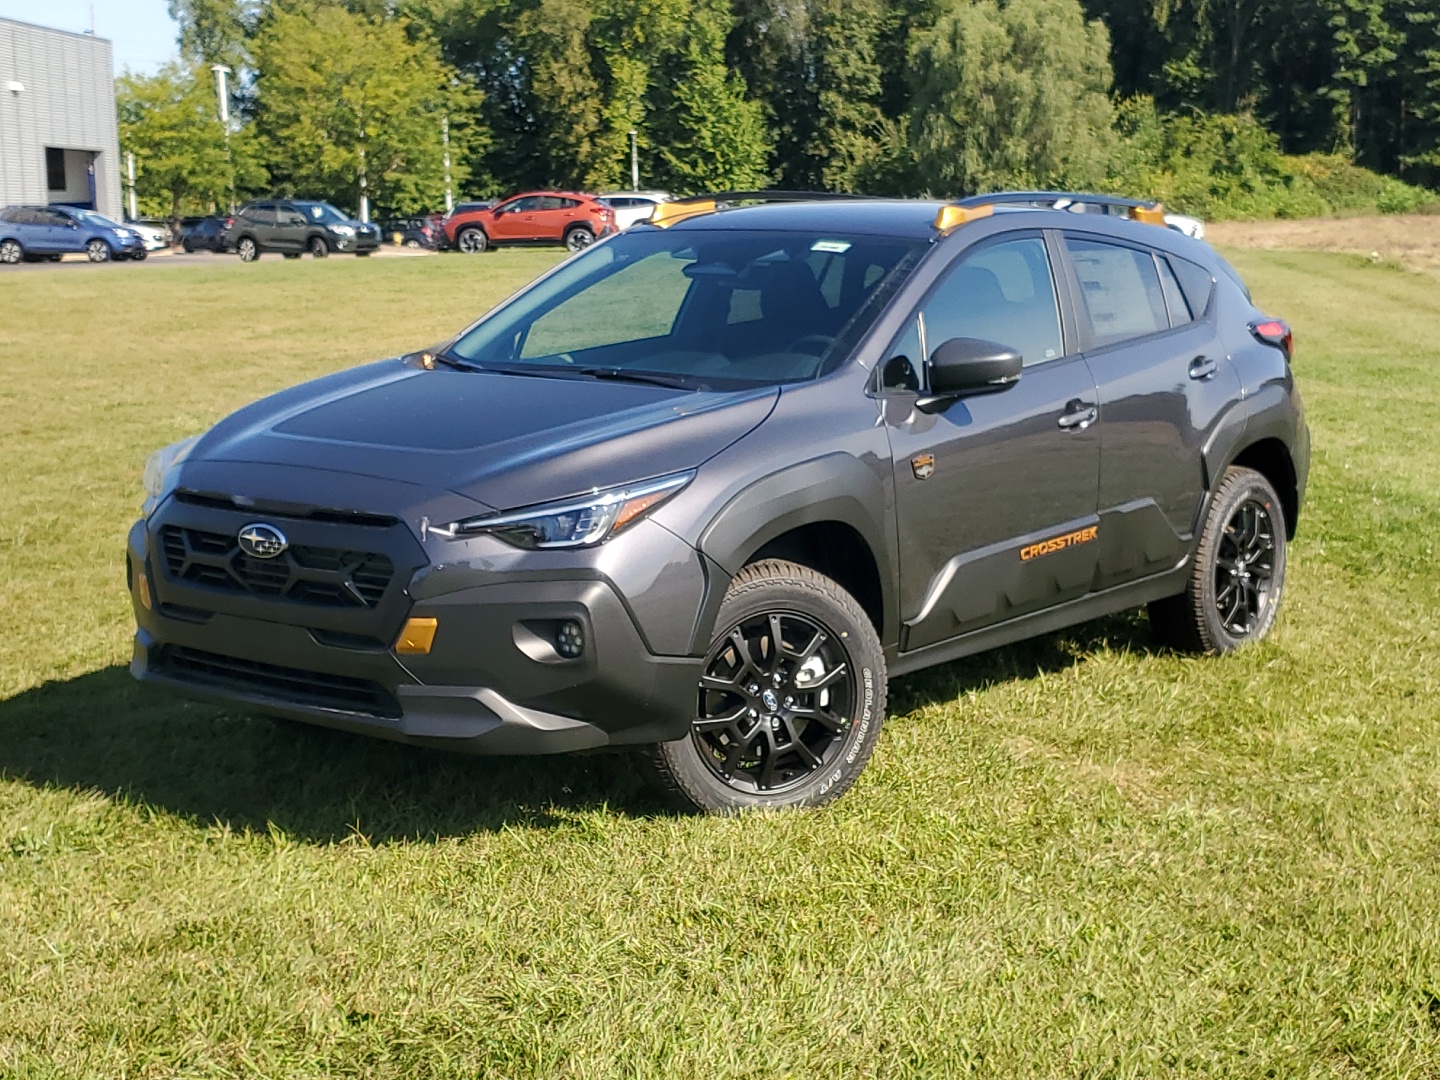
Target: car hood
[500,440]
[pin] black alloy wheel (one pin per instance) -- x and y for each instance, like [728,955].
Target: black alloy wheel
[790,701]
[1245,568]
[98,251]
[775,701]
[1238,574]
[11,252]
[472,241]
[579,238]
[318,247]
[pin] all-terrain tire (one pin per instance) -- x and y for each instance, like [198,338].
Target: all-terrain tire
[785,717]
[1238,575]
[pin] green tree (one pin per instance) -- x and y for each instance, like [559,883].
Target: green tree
[184,161]
[214,31]
[351,108]
[815,66]
[708,133]
[1012,96]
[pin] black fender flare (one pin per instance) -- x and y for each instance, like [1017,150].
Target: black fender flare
[1268,413]
[834,487]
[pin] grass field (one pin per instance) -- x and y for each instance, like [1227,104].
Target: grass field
[1075,857]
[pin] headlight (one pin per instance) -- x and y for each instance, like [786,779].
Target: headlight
[341,230]
[161,468]
[579,522]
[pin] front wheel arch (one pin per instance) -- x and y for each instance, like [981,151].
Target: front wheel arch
[826,501]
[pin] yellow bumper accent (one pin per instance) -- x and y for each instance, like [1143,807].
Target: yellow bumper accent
[417,636]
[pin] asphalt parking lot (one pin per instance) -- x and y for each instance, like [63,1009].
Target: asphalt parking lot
[179,257]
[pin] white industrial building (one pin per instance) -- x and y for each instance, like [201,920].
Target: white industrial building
[58,137]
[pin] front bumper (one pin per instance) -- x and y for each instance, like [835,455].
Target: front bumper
[491,684]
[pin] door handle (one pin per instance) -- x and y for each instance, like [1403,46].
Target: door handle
[1077,415]
[1202,368]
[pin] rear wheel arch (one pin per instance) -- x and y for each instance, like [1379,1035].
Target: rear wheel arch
[1271,458]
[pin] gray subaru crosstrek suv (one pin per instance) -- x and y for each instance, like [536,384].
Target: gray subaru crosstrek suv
[702,489]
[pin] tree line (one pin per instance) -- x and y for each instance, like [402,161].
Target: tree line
[1222,107]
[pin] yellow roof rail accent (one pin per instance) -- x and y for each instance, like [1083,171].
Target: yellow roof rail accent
[666,214]
[1148,215]
[952,217]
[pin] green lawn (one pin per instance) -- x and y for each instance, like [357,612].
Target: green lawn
[1074,857]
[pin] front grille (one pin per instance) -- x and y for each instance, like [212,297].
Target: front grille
[283,684]
[318,576]
[286,510]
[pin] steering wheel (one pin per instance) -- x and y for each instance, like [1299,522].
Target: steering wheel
[810,344]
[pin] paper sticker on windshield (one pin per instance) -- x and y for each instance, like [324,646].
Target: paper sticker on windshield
[834,247]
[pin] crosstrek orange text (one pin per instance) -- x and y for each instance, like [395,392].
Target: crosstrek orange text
[1058,543]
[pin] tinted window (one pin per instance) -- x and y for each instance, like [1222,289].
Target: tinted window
[1121,288]
[525,205]
[1180,312]
[1003,293]
[1195,282]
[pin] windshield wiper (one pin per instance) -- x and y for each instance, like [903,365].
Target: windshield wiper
[652,378]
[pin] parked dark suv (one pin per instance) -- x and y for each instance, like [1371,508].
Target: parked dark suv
[703,488]
[295,226]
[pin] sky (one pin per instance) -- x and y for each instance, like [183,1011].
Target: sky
[141,31]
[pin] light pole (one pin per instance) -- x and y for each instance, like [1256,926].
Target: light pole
[445,137]
[130,169]
[634,162]
[222,97]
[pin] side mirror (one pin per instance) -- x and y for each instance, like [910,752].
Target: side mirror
[296,219]
[963,366]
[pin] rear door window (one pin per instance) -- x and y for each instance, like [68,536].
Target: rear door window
[1180,312]
[1121,290]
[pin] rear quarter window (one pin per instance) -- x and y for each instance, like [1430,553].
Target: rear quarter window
[1197,283]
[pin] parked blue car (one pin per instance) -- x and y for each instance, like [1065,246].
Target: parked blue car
[40,232]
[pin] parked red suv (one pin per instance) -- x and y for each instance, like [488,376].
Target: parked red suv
[538,217]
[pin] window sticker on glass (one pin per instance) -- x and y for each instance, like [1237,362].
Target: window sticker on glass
[834,247]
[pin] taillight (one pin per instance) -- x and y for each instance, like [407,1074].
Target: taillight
[1275,332]
[229,221]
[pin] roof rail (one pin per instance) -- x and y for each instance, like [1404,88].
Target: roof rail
[668,213]
[1150,213]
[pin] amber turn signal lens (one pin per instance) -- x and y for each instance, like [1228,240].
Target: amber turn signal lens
[142,586]
[417,636]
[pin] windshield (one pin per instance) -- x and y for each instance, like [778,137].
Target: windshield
[100,220]
[322,212]
[723,309]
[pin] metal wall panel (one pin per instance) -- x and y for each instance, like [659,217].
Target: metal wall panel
[67,101]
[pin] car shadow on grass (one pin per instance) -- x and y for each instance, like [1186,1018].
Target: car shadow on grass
[104,732]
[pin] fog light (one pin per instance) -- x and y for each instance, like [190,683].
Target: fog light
[570,639]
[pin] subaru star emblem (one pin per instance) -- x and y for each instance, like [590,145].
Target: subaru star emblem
[262,541]
[770,700]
